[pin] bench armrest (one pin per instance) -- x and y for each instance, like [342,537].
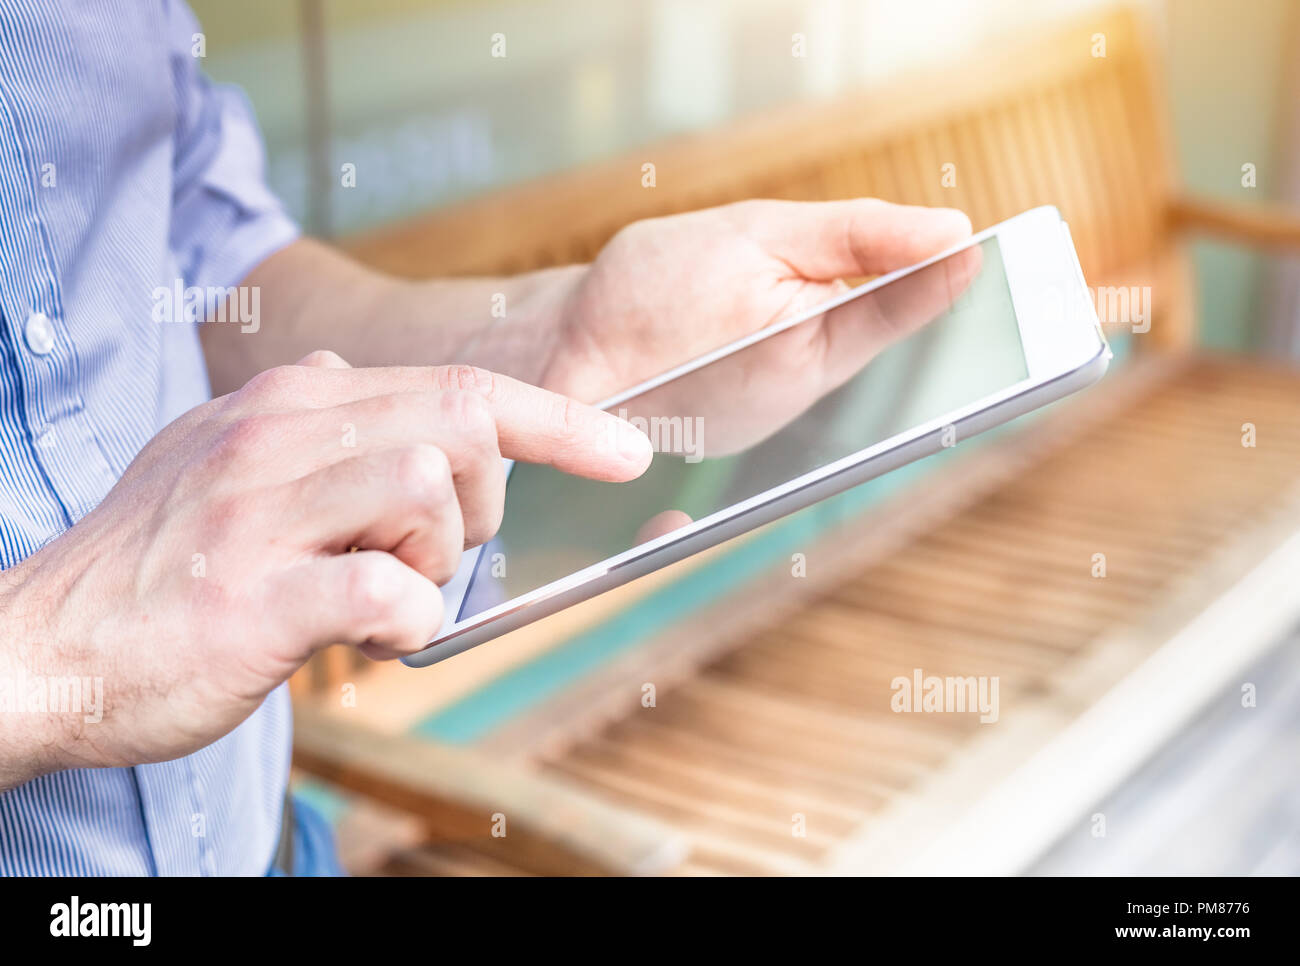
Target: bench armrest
[1261,226]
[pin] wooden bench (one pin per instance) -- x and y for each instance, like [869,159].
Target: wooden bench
[977,570]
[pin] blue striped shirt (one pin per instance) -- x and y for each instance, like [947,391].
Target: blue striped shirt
[122,171]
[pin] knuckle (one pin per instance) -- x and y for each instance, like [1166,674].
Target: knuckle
[424,474]
[275,383]
[372,585]
[244,437]
[469,413]
[465,377]
[324,359]
[249,430]
[447,563]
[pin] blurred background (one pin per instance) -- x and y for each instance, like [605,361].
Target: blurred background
[732,713]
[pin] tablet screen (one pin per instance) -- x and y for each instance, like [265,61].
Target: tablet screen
[927,343]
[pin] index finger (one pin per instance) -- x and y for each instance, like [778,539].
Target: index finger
[539,426]
[533,425]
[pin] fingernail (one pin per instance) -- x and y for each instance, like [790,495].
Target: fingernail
[633,445]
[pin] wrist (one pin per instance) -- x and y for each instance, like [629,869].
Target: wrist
[549,314]
[574,364]
[42,713]
[509,326]
[25,747]
[514,326]
[527,330]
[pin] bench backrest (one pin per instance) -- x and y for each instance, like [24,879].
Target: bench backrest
[1072,117]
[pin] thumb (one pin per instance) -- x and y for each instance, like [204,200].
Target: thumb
[827,240]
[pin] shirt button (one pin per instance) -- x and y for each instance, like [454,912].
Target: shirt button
[39,333]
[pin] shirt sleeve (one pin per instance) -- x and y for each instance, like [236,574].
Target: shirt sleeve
[225,220]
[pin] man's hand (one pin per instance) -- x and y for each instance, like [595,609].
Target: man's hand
[745,397]
[666,290]
[223,557]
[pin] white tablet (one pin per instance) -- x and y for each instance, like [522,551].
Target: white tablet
[897,369]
